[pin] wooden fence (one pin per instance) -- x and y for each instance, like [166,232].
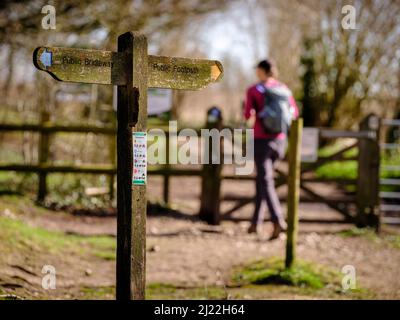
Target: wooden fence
[365,200]
[390,200]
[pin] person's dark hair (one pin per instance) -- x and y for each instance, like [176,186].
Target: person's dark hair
[267,66]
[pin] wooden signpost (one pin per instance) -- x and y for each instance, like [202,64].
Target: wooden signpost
[133,71]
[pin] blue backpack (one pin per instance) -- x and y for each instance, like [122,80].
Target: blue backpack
[277,114]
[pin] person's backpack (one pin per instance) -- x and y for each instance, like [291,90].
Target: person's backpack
[277,114]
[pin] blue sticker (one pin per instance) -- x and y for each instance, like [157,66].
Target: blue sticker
[46,58]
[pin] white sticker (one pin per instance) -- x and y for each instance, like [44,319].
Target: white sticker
[139,158]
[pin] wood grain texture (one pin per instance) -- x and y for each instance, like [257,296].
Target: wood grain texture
[107,67]
[43,155]
[293,190]
[139,198]
[368,174]
[124,175]
[82,65]
[211,179]
[182,73]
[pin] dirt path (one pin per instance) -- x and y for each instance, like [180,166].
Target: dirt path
[186,252]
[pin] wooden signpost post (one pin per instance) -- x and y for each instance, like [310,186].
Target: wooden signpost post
[133,71]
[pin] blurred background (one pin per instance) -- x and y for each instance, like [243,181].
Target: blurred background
[338,76]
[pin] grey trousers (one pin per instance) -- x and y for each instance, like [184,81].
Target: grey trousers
[266,152]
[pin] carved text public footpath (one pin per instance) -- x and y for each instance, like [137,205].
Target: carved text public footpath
[175,69]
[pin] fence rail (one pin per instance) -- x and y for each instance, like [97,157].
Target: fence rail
[390,200]
[366,183]
[54,128]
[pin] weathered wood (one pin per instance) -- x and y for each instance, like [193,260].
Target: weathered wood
[230,197]
[49,168]
[125,121]
[301,220]
[129,69]
[139,197]
[112,155]
[82,65]
[43,154]
[49,127]
[368,174]
[107,67]
[293,190]
[95,169]
[334,204]
[332,134]
[390,182]
[211,180]
[182,73]
[166,176]
[132,113]
[179,172]
[390,122]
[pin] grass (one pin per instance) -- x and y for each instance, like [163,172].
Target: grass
[348,169]
[391,239]
[15,235]
[303,274]
[304,279]
[337,169]
[18,235]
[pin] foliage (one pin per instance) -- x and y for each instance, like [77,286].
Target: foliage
[303,274]
[18,235]
[387,238]
[343,68]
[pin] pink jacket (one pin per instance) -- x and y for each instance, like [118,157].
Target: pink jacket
[255,103]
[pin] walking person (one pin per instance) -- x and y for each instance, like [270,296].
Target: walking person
[263,100]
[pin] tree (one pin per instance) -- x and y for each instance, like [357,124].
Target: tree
[343,68]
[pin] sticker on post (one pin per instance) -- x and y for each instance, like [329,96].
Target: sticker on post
[139,158]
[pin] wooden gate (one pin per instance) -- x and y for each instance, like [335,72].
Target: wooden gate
[360,207]
[389,191]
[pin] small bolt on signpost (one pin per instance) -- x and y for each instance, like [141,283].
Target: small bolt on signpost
[133,71]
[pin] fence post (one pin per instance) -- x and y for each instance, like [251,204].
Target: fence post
[368,174]
[111,177]
[211,173]
[293,190]
[43,154]
[166,175]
